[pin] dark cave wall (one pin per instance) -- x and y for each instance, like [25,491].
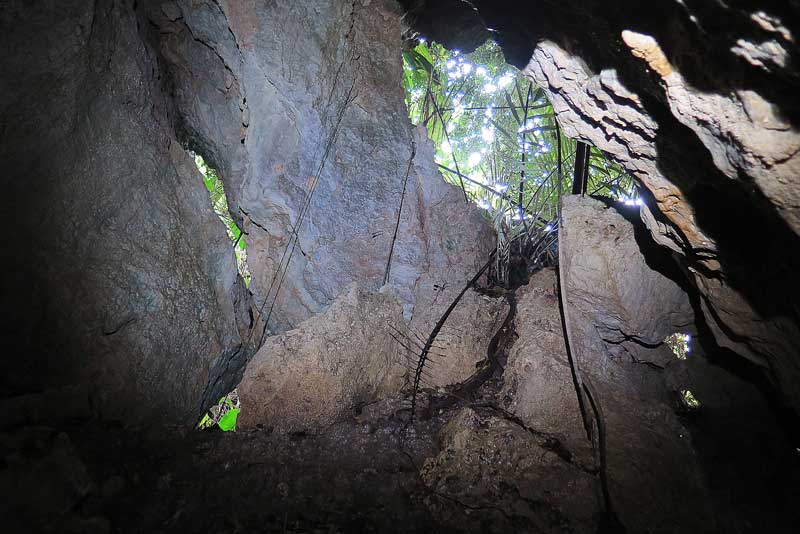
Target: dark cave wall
[697,100]
[117,275]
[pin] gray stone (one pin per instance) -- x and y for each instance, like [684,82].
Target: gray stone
[330,365]
[537,381]
[321,117]
[698,104]
[609,280]
[118,276]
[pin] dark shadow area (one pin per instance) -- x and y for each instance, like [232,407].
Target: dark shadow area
[697,37]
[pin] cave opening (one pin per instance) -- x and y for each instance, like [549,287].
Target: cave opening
[496,137]
[493,305]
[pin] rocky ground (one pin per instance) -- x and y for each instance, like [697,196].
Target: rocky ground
[502,453]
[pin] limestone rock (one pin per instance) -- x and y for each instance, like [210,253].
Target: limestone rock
[464,340]
[315,135]
[620,310]
[118,275]
[537,381]
[329,365]
[357,351]
[699,105]
[609,279]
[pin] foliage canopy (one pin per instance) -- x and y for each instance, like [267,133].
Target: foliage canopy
[496,137]
[216,192]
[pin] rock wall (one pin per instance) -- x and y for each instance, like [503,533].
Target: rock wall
[117,276]
[697,103]
[300,106]
[620,310]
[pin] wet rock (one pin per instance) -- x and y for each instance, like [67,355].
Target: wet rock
[493,475]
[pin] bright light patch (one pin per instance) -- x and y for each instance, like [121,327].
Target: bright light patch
[500,187]
[689,400]
[474,159]
[504,80]
[446,147]
[679,344]
[487,134]
[489,88]
[466,68]
[548,228]
[480,71]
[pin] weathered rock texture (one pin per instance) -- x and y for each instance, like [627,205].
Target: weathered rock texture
[331,365]
[116,273]
[119,276]
[609,279]
[311,132]
[359,350]
[616,302]
[620,310]
[698,103]
[537,381]
[464,340]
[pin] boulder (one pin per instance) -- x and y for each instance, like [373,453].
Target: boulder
[330,365]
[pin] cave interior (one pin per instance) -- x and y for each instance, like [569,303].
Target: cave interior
[257,277]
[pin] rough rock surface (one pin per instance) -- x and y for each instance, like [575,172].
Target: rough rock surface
[508,477]
[118,275]
[609,280]
[358,351]
[313,135]
[616,303]
[697,101]
[620,310]
[464,340]
[330,365]
[537,381]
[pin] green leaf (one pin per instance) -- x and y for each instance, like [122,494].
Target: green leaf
[228,421]
[205,422]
